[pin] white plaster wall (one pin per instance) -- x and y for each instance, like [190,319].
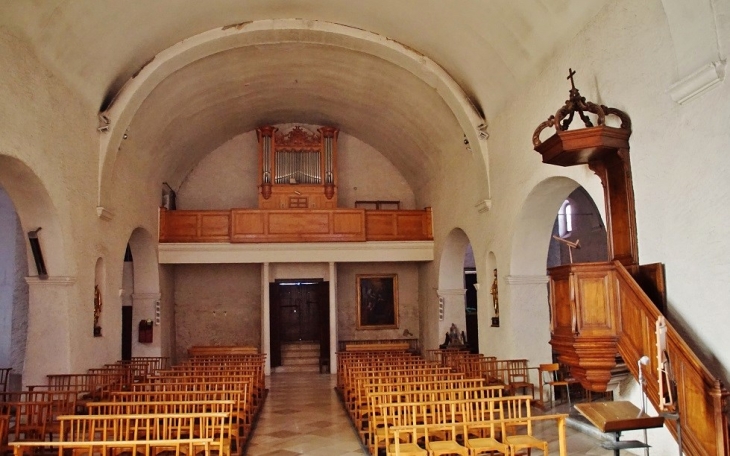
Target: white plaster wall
[366,175]
[227,177]
[347,300]
[53,131]
[10,254]
[167,327]
[19,328]
[624,59]
[299,271]
[217,305]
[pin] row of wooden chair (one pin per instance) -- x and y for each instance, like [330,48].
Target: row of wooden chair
[198,432]
[468,427]
[235,382]
[443,398]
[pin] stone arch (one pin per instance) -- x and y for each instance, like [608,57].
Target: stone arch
[146,289]
[144,251]
[531,237]
[526,310]
[13,288]
[48,339]
[35,209]
[125,104]
[451,290]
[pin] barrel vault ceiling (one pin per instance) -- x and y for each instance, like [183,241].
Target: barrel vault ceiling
[489,48]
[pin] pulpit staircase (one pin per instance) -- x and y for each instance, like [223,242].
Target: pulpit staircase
[599,309]
[602,309]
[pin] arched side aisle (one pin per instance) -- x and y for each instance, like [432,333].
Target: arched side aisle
[525,314]
[49,303]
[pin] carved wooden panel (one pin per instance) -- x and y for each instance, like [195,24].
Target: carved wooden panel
[194,226]
[398,225]
[596,318]
[297,225]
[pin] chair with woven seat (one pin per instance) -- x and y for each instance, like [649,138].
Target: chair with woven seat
[518,430]
[446,446]
[485,425]
[401,415]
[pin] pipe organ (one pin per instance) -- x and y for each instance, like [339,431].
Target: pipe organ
[298,169]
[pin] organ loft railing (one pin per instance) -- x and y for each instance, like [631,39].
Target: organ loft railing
[298,169]
[603,309]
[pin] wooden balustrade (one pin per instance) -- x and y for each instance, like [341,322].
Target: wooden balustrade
[295,225]
[599,309]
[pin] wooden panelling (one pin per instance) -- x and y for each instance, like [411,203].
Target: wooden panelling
[592,297]
[295,225]
[700,395]
[298,225]
[398,225]
[194,226]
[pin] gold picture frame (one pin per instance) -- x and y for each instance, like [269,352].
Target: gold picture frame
[377,301]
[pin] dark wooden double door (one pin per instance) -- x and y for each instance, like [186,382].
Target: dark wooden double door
[299,312]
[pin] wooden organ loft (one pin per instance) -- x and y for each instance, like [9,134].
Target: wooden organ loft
[297,182]
[601,310]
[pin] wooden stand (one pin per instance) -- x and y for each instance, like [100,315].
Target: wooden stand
[617,417]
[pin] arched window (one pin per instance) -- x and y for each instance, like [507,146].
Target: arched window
[565,219]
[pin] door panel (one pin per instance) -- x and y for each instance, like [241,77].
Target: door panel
[299,313]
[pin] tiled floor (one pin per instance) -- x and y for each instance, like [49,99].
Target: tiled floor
[302,415]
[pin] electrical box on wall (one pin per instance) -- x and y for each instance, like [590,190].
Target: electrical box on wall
[145,332]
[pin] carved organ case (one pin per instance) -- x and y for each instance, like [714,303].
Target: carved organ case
[298,168]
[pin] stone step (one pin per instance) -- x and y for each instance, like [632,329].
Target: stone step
[304,353]
[300,361]
[300,346]
[297,369]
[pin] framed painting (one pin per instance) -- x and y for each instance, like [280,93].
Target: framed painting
[377,301]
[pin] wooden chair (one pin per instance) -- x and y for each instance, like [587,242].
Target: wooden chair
[402,434]
[518,430]
[4,423]
[552,376]
[447,445]
[518,377]
[487,425]
[4,378]
[30,420]
[399,415]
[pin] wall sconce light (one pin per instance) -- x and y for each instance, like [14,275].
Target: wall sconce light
[157,313]
[35,247]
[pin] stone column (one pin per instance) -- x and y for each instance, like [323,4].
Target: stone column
[48,345]
[333,316]
[266,315]
[528,318]
[143,308]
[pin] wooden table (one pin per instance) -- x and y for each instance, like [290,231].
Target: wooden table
[616,417]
